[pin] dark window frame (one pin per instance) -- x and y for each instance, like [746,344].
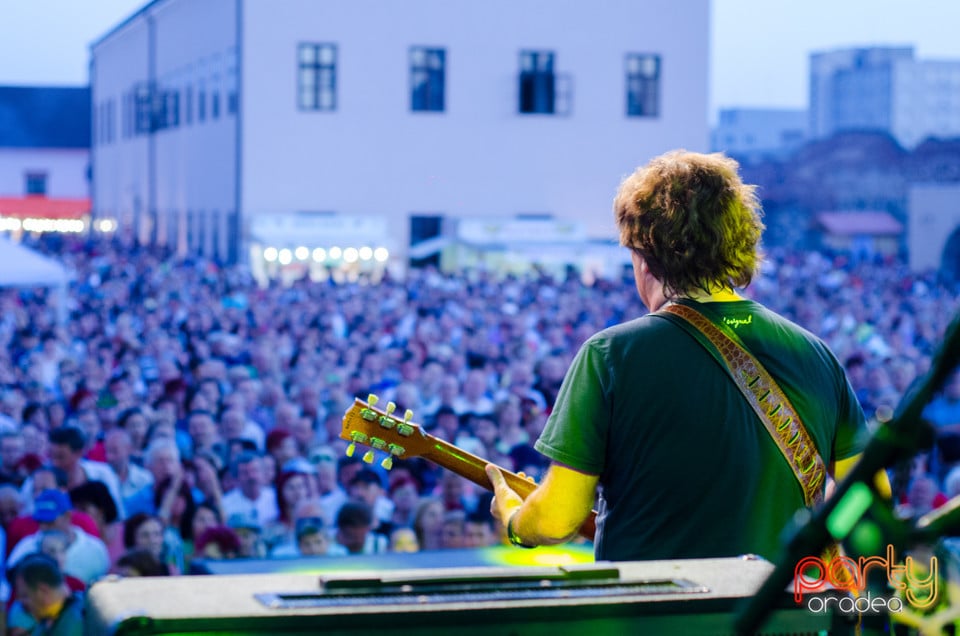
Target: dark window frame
[201,103]
[642,84]
[537,83]
[428,78]
[316,77]
[35,183]
[143,109]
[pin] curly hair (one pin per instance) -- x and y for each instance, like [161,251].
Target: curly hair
[692,219]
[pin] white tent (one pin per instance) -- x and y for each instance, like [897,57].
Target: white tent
[22,267]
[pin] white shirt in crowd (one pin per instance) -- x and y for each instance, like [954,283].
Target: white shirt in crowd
[264,509]
[86,558]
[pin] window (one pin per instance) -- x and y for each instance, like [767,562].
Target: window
[171,100]
[36,183]
[129,114]
[317,80]
[201,103]
[537,82]
[427,77]
[143,109]
[643,85]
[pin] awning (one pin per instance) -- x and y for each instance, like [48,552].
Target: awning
[870,223]
[39,207]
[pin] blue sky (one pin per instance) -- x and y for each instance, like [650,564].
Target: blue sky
[759,48]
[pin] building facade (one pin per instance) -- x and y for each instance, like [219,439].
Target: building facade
[884,89]
[367,123]
[44,157]
[756,134]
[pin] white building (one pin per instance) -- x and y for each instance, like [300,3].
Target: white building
[884,88]
[759,133]
[373,123]
[44,157]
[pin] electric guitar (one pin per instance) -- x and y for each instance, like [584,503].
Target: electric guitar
[382,431]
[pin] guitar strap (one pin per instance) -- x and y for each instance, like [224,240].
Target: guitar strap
[763,394]
[770,404]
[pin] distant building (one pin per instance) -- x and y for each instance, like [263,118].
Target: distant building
[884,89]
[324,126]
[862,233]
[935,227]
[756,134]
[44,157]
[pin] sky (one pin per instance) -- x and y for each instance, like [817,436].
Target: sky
[759,48]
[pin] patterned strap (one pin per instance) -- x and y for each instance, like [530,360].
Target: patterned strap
[767,399]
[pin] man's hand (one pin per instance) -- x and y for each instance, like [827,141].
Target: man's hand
[505,500]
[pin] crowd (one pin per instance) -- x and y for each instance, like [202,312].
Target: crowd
[182,412]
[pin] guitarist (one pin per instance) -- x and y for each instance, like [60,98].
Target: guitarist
[649,416]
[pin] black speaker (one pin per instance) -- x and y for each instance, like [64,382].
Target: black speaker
[696,596]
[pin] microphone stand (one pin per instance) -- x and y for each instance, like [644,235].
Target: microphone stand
[899,438]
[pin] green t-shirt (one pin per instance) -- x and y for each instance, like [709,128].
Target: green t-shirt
[686,468]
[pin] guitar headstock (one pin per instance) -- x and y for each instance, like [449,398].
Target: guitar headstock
[381,430]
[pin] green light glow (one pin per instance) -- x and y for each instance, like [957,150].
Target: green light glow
[845,516]
[542,556]
[867,538]
[452,451]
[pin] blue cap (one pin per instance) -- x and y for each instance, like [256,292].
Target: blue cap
[50,504]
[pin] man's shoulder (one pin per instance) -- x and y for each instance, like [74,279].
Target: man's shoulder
[98,471]
[647,328]
[86,541]
[139,474]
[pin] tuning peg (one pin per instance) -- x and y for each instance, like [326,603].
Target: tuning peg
[355,437]
[407,416]
[387,462]
[368,457]
[372,399]
[391,407]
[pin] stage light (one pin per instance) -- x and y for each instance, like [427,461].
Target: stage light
[286,256]
[366,253]
[106,225]
[9,224]
[351,255]
[335,252]
[302,253]
[319,254]
[71,226]
[270,254]
[381,254]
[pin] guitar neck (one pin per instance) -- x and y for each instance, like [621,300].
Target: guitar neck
[468,465]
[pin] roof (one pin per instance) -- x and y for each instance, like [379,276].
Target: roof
[36,207]
[20,266]
[850,223]
[44,117]
[117,27]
